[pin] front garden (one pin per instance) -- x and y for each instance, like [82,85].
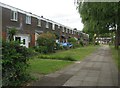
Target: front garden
[19,63]
[47,63]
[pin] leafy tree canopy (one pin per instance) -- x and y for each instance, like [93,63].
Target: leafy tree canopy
[98,16]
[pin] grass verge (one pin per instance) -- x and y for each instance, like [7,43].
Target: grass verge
[71,55]
[115,56]
[42,64]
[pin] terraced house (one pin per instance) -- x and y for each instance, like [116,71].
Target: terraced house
[29,26]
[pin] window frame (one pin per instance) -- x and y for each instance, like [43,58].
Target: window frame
[66,30]
[24,41]
[72,32]
[39,22]
[18,39]
[28,19]
[53,26]
[63,29]
[47,24]
[69,31]
[14,15]
[58,26]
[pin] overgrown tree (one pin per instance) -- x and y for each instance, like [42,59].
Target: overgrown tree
[99,17]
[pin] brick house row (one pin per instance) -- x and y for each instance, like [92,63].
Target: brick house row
[29,26]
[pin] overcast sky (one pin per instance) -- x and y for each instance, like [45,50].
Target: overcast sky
[61,11]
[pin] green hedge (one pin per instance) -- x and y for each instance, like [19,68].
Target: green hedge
[14,64]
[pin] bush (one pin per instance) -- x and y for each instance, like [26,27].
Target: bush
[14,64]
[46,40]
[41,49]
[58,46]
[97,43]
[81,42]
[74,42]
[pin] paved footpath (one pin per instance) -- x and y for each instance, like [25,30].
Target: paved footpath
[98,69]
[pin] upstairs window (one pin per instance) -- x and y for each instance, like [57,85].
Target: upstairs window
[39,22]
[59,26]
[66,30]
[69,31]
[63,29]
[53,26]
[14,15]
[72,32]
[47,25]
[28,19]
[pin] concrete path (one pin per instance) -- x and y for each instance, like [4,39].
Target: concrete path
[98,69]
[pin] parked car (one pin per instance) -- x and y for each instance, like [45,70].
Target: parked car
[67,44]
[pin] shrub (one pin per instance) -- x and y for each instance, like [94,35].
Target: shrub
[81,42]
[14,64]
[46,40]
[96,43]
[58,46]
[73,41]
[41,49]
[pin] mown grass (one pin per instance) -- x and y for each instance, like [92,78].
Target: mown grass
[115,56]
[72,54]
[42,64]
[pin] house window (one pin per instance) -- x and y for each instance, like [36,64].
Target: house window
[53,26]
[28,19]
[14,15]
[18,39]
[47,25]
[66,30]
[63,29]
[23,41]
[72,32]
[58,26]
[39,22]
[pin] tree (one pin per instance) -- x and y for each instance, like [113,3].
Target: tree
[99,17]
[11,33]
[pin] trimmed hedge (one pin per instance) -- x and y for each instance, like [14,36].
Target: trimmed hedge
[14,64]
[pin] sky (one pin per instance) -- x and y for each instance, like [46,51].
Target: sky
[60,11]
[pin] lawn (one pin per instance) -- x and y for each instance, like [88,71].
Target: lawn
[45,66]
[115,56]
[41,66]
[74,54]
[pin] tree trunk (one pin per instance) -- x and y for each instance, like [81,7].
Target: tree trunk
[117,37]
